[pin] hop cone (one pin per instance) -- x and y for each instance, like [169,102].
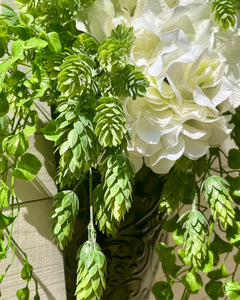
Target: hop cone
[105,222]
[110,122]
[195,236]
[112,55]
[123,33]
[177,188]
[76,75]
[92,266]
[225,12]
[76,143]
[219,200]
[65,209]
[130,83]
[118,186]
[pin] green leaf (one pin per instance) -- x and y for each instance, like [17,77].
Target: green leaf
[234,185]
[5,221]
[234,159]
[186,259]
[233,233]
[171,224]
[16,145]
[220,246]
[232,290]
[50,130]
[28,167]
[208,263]
[54,43]
[36,297]
[26,272]
[166,254]
[214,289]
[178,235]
[23,294]
[17,49]
[4,194]
[162,290]
[236,257]
[171,270]
[4,105]
[220,273]
[35,43]
[31,126]
[192,281]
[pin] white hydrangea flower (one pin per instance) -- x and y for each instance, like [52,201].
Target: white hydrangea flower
[194,73]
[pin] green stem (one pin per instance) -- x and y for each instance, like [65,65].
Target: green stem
[19,248]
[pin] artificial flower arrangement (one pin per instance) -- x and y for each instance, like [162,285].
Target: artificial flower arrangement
[153,82]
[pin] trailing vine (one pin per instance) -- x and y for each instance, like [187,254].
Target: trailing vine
[45,58]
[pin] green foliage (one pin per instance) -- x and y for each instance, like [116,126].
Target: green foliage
[75,75]
[130,83]
[23,294]
[178,188]
[162,290]
[110,121]
[92,267]
[65,209]
[219,199]
[232,290]
[195,236]
[225,12]
[115,194]
[112,55]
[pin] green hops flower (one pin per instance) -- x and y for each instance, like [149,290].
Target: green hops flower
[219,199]
[92,267]
[105,222]
[65,209]
[86,43]
[195,236]
[76,75]
[76,143]
[110,121]
[112,55]
[130,83]
[178,188]
[113,199]
[118,185]
[123,33]
[225,12]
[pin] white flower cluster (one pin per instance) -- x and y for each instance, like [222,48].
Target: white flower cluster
[194,73]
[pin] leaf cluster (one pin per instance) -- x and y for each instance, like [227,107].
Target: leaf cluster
[207,233]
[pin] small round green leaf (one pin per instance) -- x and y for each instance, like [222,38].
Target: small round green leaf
[23,294]
[232,290]
[26,272]
[28,167]
[166,254]
[214,289]
[16,145]
[234,159]
[192,281]
[162,290]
